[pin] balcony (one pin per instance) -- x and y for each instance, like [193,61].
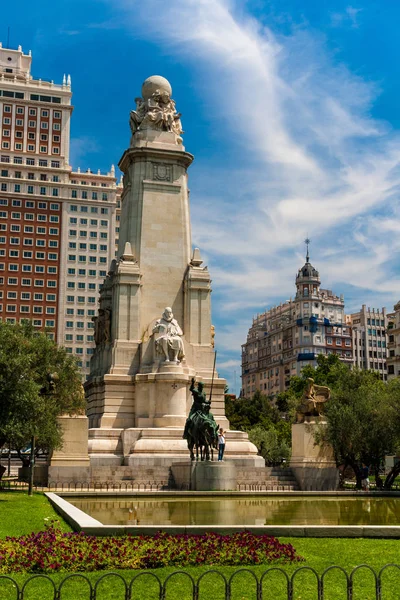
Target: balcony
[13,75]
[393,359]
[13,72]
[346,358]
[306,356]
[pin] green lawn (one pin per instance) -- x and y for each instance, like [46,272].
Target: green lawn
[20,514]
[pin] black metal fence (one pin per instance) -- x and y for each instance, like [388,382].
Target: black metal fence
[351,485]
[149,486]
[244,584]
[79,486]
[129,486]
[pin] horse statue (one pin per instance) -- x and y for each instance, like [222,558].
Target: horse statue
[203,437]
[201,430]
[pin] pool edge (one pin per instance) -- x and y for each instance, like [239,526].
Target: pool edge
[81,521]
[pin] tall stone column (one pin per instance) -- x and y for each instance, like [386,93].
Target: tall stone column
[155,221]
[153,330]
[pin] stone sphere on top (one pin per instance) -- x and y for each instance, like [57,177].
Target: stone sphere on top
[154,83]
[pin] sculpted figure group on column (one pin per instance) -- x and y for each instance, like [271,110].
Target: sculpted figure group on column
[157,112]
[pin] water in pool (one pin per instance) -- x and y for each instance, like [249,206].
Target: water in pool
[244,510]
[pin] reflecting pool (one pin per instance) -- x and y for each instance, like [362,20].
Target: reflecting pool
[243,510]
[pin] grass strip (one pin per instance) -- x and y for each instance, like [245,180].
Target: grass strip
[21,514]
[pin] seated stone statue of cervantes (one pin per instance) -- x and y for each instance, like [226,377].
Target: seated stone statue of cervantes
[169,342]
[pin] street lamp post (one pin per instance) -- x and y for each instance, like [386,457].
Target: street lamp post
[45,391]
[31,466]
[9,460]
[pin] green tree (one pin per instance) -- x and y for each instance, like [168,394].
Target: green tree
[264,424]
[363,422]
[327,372]
[243,413]
[28,407]
[270,445]
[363,415]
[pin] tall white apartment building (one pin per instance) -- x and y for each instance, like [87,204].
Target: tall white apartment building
[370,339]
[57,225]
[87,248]
[393,359]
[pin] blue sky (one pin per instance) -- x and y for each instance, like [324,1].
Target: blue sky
[291,110]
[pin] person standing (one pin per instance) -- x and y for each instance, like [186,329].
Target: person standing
[365,478]
[221,443]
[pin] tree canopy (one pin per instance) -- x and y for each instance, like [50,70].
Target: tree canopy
[363,415]
[264,424]
[363,422]
[28,407]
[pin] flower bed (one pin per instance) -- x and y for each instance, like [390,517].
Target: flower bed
[52,550]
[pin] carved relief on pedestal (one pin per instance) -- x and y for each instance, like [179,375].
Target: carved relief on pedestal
[102,327]
[126,180]
[161,172]
[212,336]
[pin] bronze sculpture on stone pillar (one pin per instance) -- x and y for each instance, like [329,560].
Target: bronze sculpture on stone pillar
[313,400]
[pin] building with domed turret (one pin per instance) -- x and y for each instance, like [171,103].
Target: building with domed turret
[285,338]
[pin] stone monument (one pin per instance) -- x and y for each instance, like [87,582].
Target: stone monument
[153,331]
[312,464]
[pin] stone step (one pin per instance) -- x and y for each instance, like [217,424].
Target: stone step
[266,482]
[267,478]
[262,488]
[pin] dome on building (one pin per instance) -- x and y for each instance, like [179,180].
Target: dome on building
[308,271]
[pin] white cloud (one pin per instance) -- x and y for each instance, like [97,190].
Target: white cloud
[70,32]
[79,148]
[229,364]
[348,17]
[308,159]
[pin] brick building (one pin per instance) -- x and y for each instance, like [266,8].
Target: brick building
[57,225]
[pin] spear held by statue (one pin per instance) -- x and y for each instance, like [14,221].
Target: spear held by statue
[212,379]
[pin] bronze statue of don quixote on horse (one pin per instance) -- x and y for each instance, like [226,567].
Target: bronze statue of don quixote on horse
[201,430]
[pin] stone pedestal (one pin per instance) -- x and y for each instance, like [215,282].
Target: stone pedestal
[149,447]
[162,397]
[71,463]
[205,476]
[313,465]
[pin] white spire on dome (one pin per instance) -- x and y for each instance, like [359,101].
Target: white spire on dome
[307,241]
